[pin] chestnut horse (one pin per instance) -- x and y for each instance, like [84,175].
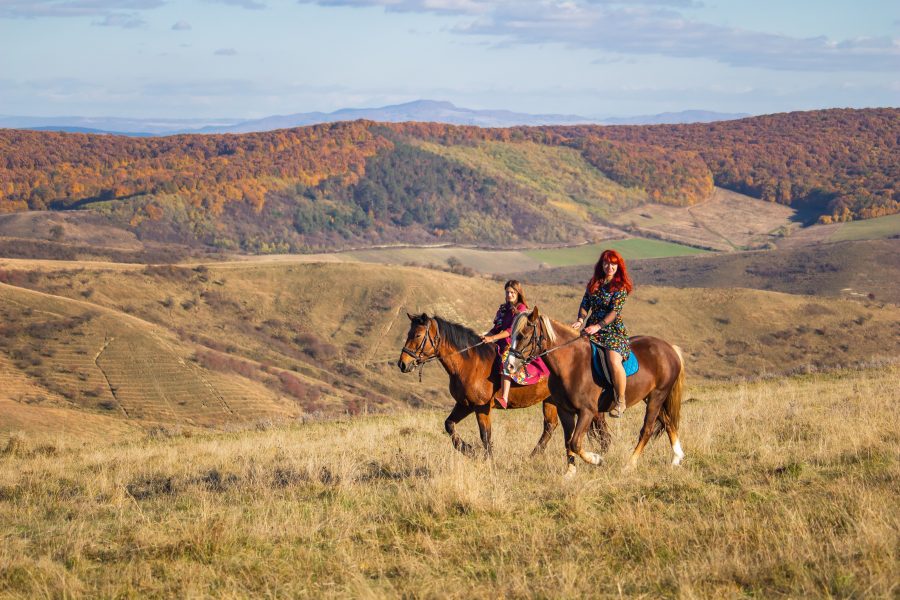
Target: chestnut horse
[659,382]
[473,380]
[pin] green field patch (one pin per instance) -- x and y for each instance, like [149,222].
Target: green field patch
[630,248]
[561,174]
[869,229]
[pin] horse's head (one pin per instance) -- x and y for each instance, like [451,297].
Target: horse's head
[421,342]
[527,336]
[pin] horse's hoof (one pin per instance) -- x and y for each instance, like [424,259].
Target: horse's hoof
[679,453]
[570,473]
[592,458]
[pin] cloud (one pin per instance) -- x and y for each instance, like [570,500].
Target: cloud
[126,21]
[32,9]
[648,27]
[226,52]
[181,26]
[248,4]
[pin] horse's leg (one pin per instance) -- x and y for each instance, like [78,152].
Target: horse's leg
[551,422]
[567,418]
[673,439]
[459,412]
[483,414]
[585,418]
[657,397]
[599,432]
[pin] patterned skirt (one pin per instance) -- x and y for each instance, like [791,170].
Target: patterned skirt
[614,337]
[530,374]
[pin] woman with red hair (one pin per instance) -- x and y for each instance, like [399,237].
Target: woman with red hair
[603,299]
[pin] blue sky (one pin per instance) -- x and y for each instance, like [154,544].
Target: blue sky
[597,58]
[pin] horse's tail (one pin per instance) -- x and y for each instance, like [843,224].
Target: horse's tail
[672,404]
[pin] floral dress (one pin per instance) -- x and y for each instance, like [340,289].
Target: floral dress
[503,320]
[600,303]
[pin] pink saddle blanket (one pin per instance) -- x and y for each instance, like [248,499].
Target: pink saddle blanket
[530,374]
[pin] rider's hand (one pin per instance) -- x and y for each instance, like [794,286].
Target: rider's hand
[484,339]
[592,329]
[577,324]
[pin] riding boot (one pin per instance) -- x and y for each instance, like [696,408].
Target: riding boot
[618,408]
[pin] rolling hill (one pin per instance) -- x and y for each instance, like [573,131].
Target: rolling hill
[241,343]
[861,269]
[359,184]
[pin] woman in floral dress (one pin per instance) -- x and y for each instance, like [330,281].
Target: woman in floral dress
[500,332]
[603,299]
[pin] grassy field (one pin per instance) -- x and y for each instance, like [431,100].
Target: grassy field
[869,229]
[860,269]
[788,490]
[727,221]
[561,175]
[244,343]
[631,248]
[503,262]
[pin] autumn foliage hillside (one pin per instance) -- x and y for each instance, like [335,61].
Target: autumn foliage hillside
[362,183]
[841,164]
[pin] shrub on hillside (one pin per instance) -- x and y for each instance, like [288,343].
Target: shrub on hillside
[312,346]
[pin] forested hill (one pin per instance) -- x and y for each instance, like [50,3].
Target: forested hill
[335,185]
[843,164]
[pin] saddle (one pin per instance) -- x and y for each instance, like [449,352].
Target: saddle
[601,369]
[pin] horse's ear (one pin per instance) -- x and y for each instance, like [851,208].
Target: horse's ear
[411,318]
[534,316]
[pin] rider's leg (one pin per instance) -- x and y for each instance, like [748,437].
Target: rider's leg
[618,375]
[507,382]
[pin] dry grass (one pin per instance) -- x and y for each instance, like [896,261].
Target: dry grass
[728,221]
[223,345]
[788,490]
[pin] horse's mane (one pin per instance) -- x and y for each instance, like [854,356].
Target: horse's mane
[459,336]
[520,319]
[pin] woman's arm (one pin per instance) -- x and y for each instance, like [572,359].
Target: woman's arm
[496,332]
[583,309]
[618,300]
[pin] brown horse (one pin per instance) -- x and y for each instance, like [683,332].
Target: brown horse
[659,382]
[474,381]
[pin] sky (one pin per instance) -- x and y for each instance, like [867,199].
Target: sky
[248,59]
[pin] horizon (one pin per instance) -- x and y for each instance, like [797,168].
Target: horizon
[237,120]
[230,119]
[248,59]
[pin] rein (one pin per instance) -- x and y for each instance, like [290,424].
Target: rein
[538,344]
[417,355]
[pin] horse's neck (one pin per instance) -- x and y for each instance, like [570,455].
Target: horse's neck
[564,334]
[453,360]
[561,348]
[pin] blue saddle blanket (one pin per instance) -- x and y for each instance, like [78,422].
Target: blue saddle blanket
[601,369]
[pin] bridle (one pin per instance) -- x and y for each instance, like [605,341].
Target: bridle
[536,343]
[418,356]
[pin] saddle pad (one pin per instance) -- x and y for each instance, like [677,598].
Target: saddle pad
[601,369]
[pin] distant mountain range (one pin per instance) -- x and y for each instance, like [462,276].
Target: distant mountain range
[419,110]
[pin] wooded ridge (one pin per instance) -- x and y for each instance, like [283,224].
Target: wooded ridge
[356,183]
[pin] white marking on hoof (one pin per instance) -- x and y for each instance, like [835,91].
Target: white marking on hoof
[679,453]
[591,458]
[570,472]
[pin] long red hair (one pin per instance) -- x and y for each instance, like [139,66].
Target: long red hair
[620,281]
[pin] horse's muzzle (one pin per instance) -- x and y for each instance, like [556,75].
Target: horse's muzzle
[405,366]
